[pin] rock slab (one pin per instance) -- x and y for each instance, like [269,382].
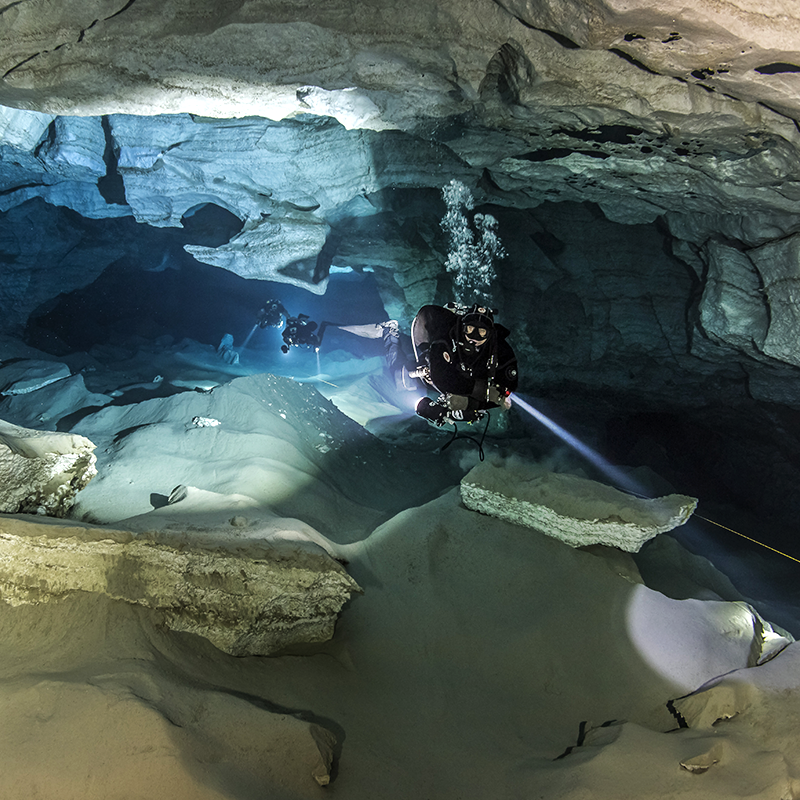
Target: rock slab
[42,471]
[244,605]
[570,508]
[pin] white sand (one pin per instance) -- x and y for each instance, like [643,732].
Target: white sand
[478,654]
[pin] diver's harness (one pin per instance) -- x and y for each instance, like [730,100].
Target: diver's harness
[438,411]
[453,356]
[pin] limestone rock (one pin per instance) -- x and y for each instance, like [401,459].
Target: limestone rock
[43,408]
[495,90]
[771,691]
[75,147]
[741,48]
[732,309]
[575,510]
[263,251]
[779,266]
[41,472]
[201,736]
[250,601]
[22,377]
[23,129]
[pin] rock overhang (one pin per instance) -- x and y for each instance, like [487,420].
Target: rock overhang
[497,68]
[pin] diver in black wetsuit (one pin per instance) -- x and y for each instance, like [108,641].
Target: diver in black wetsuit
[272,314]
[299,332]
[464,355]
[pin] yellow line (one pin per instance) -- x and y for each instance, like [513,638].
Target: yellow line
[725,527]
[780,553]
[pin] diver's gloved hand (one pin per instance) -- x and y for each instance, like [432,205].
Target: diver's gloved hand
[499,397]
[423,372]
[457,402]
[494,395]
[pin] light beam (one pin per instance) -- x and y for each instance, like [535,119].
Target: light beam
[249,336]
[614,474]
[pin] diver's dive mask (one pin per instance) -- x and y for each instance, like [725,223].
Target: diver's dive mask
[477,325]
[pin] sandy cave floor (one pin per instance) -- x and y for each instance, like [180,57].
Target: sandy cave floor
[478,658]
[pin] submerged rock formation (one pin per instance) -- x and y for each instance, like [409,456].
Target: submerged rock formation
[575,510]
[643,164]
[255,601]
[40,473]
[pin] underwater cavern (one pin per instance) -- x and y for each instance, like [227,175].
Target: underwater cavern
[237,564]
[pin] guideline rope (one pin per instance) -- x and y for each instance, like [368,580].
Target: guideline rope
[749,538]
[720,525]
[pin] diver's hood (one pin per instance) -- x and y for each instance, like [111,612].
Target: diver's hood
[480,317]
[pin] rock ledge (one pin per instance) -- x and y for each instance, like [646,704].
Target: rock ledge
[244,605]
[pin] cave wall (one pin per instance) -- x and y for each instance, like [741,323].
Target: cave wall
[329,131]
[592,301]
[643,163]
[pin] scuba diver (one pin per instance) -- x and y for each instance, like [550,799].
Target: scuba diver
[299,332]
[272,314]
[463,354]
[399,364]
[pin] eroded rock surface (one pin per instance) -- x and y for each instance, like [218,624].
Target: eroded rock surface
[41,472]
[575,510]
[643,162]
[252,602]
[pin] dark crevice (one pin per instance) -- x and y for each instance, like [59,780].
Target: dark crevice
[581,738]
[776,111]
[125,432]
[210,225]
[617,134]
[111,185]
[631,60]
[48,139]
[124,8]
[682,723]
[4,192]
[548,243]
[45,52]
[82,34]
[309,717]
[22,63]
[777,68]
[564,41]
[10,6]
[325,258]
[558,152]
[583,729]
